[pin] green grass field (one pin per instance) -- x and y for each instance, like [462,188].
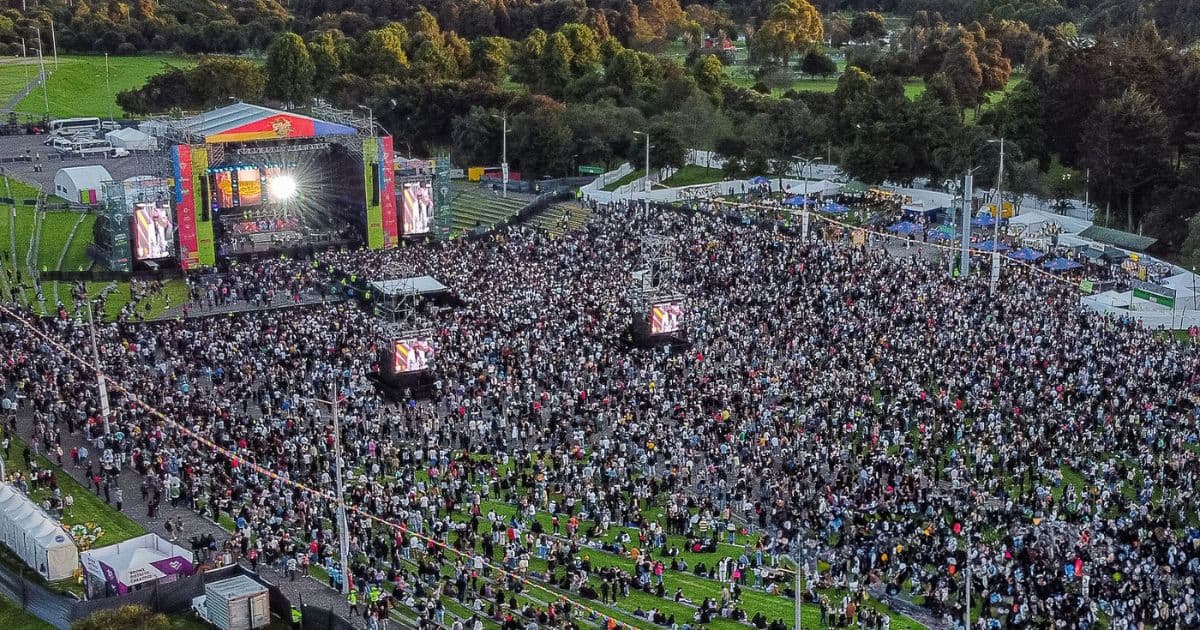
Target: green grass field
[691,175]
[88,508]
[12,616]
[617,183]
[79,85]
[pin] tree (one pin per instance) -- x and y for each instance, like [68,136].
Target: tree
[601,131]
[423,23]
[1190,251]
[433,60]
[709,73]
[381,52]
[867,25]
[556,62]
[666,146]
[219,78]
[625,70]
[1125,143]
[476,137]
[541,138]
[818,63]
[961,67]
[1061,182]
[585,49]
[123,617]
[527,57]
[792,26]
[490,57]
[290,69]
[329,51]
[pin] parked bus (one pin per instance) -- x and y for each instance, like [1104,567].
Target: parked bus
[74,126]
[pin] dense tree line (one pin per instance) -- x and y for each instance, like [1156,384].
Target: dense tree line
[1116,111]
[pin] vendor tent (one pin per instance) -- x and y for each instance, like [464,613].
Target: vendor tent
[992,246]
[904,227]
[855,187]
[131,139]
[1026,254]
[117,568]
[983,220]
[35,537]
[758,180]
[1060,264]
[834,208]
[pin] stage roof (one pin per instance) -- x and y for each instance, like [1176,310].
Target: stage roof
[422,284]
[242,122]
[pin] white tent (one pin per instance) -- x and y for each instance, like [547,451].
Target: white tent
[1035,222]
[131,139]
[81,184]
[35,537]
[117,568]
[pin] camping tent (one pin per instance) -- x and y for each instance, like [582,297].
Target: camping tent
[117,568]
[35,537]
[131,139]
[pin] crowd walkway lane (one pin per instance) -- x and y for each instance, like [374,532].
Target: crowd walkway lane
[307,589]
[243,306]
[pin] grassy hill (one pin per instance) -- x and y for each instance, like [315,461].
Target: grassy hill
[80,85]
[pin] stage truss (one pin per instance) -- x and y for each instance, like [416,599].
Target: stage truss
[656,280]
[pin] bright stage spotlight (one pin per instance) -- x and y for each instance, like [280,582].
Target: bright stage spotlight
[283,187]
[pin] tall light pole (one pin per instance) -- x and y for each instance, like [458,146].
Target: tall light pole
[102,385]
[343,530]
[503,152]
[42,66]
[647,134]
[804,164]
[996,221]
[968,209]
[798,560]
[107,87]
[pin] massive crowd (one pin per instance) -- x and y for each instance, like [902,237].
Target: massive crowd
[900,430]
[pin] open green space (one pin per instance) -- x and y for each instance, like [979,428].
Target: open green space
[13,616]
[691,175]
[89,508]
[80,85]
[617,183]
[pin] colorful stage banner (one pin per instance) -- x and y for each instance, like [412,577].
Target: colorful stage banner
[375,238]
[185,207]
[387,192]
[206,252]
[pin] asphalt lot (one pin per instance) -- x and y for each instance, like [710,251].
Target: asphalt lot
[51,162]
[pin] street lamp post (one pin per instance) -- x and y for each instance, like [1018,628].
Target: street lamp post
[647,134]
[343,529]
[102,386]
[503,153]
[996,221]
[968,209]
[804,164]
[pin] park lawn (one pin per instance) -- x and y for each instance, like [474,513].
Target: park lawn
[696,587]
[88,508]
[615,184]
[13,616]
[78,87]
[56,229]
[176,288]
[691,175]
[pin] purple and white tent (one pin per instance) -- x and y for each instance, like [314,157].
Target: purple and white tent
[116,569]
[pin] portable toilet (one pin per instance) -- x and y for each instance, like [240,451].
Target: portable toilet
[238,603]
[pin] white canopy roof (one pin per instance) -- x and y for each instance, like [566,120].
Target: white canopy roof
[35,537]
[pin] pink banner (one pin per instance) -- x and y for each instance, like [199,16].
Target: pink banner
[185,207]
[387,192]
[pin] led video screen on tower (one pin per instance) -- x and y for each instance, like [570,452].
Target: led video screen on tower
[666,318]
[249,187]
[223,188]
[152,231]
[417,207]
[411,355]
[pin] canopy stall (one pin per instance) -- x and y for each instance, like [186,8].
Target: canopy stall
[904,227]
[116,569]
[1060,264]
[992,246]
[38,539]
